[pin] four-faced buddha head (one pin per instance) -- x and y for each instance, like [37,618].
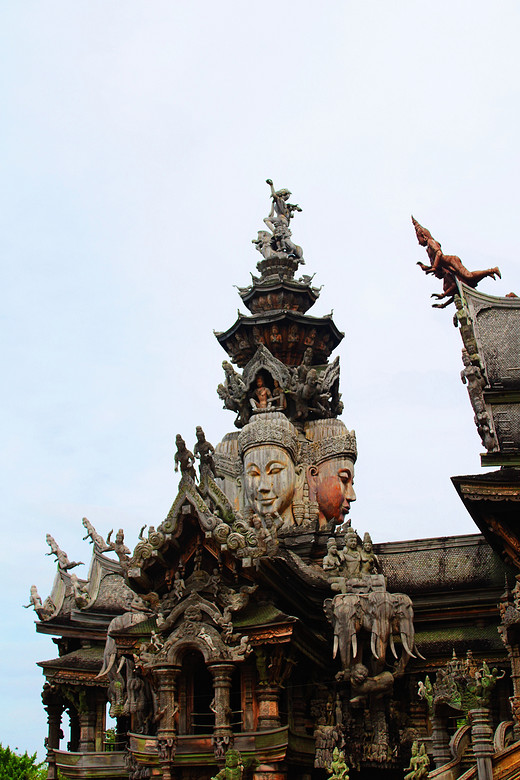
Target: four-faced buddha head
[268,447]
[331,477]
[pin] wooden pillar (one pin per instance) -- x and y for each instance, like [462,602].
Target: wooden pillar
[514,655]
[247,698]
[440,741]
[87,724]
[268,706]
[73,745]
[222,733]
[166,677]
[101,721]
[482,740]
[54,708]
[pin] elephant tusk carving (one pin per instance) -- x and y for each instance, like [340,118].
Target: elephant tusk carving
[373,647]
[336,642]
[392,646]
[104,671]
[354,644]
[404,640]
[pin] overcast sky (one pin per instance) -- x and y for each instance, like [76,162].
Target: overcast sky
[136,138]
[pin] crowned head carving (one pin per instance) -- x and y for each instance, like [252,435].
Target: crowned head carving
[268,447]
[331,477]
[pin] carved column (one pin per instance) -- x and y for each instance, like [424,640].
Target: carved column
[482,739]
[268,706]
[514,655]
[222,733]
[166,678]
[248,713]
[73,745]
[440,741]
[101,720]
[87,730]
[54,708]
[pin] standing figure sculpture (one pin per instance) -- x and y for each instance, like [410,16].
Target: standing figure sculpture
[449,268]
[203,450]
[280,205]
[62,558]
[184,458]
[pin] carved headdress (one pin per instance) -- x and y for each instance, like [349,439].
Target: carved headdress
[330,439]
[270,428]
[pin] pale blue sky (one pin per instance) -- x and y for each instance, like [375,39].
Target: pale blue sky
[136,138]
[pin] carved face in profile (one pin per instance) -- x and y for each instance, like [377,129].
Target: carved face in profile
[332,484]
[269,480]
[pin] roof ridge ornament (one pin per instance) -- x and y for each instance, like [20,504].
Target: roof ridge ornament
[449,268]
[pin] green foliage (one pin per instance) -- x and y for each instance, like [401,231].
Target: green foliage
[16,767]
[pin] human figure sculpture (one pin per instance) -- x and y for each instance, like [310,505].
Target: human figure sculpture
[262,394]
[484,682]
[471,376]
[234,394]
[45,610]
[369,561]
[119,546]
[203,450]
[331,477]
[280,203]
[363,685]
[268,448]
[332,561]
[351,555]
[62,558]
[80,592]
[234,768]
[278,399]
[338,769]
[419,763]
[449,268]
[96,539]
[184,458]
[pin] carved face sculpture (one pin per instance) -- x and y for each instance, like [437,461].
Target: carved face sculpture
[332,483]
[269,480]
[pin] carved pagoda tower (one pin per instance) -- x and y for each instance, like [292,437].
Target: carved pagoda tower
[254,632]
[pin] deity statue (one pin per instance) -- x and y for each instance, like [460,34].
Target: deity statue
[280,205]
[262,394]
[44,610]
[203,450]
[351,555]
[99,543]
[369,560]
[62,558]
[278,399]
[119,546]
[449,268]
[184,458]
[419,763]
[332,561]
[234,769]
[331,477]
[363,685]
[338,770]
[268,447]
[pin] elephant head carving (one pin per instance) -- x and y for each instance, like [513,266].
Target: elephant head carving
[378,614]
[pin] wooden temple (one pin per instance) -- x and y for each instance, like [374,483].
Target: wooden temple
[254,633]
